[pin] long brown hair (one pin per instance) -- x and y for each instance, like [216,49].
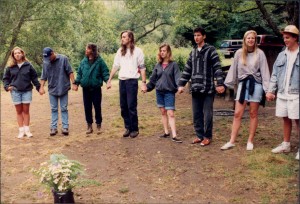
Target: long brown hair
[94,49]
[169,53]
[123,47]
[12,61]
[245,48]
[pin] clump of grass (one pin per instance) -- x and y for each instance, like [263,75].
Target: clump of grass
[89,182]
[124,190]
[273,170]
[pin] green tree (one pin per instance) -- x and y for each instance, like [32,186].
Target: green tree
[146,17]
[33,22]
[231,18]
[66,26]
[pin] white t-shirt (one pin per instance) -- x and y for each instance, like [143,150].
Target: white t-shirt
[20,65]
[291,58]
[129,65]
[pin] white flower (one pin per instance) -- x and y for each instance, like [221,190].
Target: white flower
[57,172]
[60,188]
[56,181]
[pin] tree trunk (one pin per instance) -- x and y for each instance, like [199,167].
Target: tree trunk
[292,9]
[266,16]
[16,32]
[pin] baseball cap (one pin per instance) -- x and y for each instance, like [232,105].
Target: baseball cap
[47,53]
[291,29]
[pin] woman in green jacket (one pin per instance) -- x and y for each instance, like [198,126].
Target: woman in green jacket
[91,73]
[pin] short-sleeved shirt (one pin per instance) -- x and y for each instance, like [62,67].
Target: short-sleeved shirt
[57,73]
[129,64]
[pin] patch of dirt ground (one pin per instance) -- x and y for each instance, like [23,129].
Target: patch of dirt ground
[146,169]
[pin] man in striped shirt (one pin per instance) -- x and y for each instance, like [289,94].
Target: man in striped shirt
[202,67]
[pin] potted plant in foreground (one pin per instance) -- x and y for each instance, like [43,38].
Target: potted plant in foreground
[61,175]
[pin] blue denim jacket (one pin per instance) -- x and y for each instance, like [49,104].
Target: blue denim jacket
[278,75]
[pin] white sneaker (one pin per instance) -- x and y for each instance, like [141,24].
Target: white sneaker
[27,131]
[282,148]
[249,146]
[297,155]
[28,134]
[226,146]
[21,133]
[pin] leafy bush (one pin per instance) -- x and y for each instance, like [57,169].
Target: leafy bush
[180,56]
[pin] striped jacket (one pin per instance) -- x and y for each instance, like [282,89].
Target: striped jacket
[202,68]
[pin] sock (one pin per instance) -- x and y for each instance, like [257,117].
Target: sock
[286,143]
[21,129]
[26,128]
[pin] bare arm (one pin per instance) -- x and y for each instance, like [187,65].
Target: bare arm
[74,86]
[112,73]
[72,77]
[143,74]
[42,91]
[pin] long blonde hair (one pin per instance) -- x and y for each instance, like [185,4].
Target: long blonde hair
[169,53]
[245,48]
[12,61]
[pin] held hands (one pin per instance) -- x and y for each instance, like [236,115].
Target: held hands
[220,89]
[75,87]
[42,91]
[270,96]
[180,90]
[108,84]
[10,88]
[144,88]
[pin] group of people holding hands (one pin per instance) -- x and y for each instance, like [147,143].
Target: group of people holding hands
[249,71]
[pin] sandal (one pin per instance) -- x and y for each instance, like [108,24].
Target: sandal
[197,140]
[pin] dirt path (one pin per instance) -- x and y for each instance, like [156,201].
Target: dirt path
[146,169]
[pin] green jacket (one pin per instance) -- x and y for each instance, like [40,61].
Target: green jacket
[92,75]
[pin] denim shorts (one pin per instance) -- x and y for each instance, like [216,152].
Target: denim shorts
[165,99]
[19,97]
[255,97]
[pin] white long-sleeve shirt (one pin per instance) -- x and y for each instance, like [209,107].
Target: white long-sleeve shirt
[129,65]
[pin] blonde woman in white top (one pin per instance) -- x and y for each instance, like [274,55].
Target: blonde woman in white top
[251,72]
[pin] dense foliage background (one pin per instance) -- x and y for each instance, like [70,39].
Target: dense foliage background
[68,25]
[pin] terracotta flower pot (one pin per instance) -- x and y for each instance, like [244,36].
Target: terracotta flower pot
[63,197]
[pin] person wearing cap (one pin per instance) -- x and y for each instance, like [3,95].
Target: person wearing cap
[129,61]
[285,80]
[58,72]
[91,73]
[18,79]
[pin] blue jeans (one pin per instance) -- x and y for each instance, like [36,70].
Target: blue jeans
[63,100]
[128,103]
[203,114]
